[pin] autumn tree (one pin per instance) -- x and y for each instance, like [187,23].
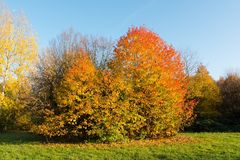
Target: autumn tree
[54,62]
[18,52]
[154,73]
[140,94]
[205,91]
[230,91]
[50,80]
[61,116]
[87,104]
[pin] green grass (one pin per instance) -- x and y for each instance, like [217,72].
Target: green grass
[184,146]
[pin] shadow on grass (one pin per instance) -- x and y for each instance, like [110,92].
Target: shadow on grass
[214,125]
[20,138]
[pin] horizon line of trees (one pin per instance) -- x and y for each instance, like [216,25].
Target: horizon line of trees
[92,88]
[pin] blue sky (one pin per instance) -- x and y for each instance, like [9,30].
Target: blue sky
[209,28]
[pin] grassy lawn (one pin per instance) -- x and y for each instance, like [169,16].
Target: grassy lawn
[184,146]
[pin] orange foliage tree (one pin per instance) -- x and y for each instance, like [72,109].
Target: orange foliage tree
[89,104]
[75,88]
[154,73]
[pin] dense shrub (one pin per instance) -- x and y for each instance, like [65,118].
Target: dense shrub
[141,94]
[53,64]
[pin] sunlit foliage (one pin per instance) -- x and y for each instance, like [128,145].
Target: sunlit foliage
[156,82]
[18,53]
[140,94]
[204,89]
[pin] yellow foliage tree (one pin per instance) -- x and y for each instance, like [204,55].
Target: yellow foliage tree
[18,51]
[205,91]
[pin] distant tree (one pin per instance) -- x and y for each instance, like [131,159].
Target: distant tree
[18,53]
[205,91]
[100,49]
[190,61]
[230,91]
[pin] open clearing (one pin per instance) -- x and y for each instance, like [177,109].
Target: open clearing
[184,146]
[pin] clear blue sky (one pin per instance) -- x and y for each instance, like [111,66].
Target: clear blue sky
[211,28]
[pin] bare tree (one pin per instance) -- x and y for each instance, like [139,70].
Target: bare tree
[100,49]
[190,61]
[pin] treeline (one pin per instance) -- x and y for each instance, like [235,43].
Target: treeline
[92,88]
[218,106]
